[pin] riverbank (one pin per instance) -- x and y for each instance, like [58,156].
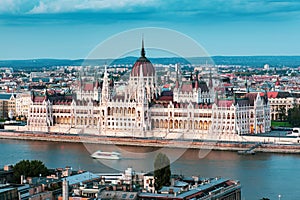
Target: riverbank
[269,144]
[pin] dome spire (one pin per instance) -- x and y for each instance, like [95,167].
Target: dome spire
[143,53]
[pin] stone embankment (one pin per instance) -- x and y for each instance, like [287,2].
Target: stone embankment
[266,146]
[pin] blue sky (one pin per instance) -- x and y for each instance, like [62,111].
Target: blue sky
[72,28]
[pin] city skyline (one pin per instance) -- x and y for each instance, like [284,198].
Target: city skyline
[71,29]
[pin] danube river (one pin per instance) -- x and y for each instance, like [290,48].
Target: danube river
[261,175]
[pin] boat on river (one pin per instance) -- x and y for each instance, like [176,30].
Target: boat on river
[246,152]
[106,155]
[294,133]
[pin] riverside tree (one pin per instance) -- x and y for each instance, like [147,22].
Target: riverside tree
[28,168]
[294,116]
[162,172]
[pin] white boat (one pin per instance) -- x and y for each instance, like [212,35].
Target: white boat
[294,133]
[106,155]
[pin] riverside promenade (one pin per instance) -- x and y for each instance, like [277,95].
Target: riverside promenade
[223,143]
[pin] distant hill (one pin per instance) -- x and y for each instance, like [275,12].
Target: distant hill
[253,61]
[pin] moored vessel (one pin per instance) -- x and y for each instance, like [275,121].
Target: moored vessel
[294,133]
[106,155]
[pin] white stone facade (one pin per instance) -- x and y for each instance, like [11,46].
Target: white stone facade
[23,101]
[142,111]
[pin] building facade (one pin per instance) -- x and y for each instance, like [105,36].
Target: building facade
[7,106]
[190,110]
[23,101]
[281,102]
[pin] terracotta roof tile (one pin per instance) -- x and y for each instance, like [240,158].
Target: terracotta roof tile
[225,103]
[88,86]
[186,88]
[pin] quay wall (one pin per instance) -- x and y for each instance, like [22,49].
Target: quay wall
[269,144]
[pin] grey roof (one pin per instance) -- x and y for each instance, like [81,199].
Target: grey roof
[203,187]
[167,189]
[5,96]
[79,178]
[6,189]
[180,184]
[183,195]
[118,195]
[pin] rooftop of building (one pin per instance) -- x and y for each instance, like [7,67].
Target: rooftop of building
[202,190]
[6,96]
[81,178]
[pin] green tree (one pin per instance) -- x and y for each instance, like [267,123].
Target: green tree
[162,172]
[282,113]
[28,168]
[294,115]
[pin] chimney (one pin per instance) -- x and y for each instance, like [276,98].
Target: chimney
[172,181]
[22,179]
[65,189]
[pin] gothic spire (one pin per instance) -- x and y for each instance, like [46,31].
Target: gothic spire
[196,81]
[143,53]
[210,84]
[177,80]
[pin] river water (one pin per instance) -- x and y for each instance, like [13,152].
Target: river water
[261,175]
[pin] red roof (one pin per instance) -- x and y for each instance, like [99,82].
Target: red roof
[225,103]
[271,95]
[186,88]
[166,98]
[39,98]
[227,84]
[251,98]
[88,86]
[145,64]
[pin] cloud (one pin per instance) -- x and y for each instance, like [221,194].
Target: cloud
[63,6]
[223,8]
[16,6]
[151,10]
[185,7]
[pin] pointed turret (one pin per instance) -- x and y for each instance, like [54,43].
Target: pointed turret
[32,95]
[105,87]
[246,85]
[80,81]
[143,53]
[234,99]
[277,82]
[196,81]
[191,77]
[96,84]
[210,84]
[46,95]
[217,97]
[177,81]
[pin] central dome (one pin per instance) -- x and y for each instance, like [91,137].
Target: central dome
[144,63]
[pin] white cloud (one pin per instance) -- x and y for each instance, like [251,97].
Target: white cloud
[186,7]
[59,6]
[11,6]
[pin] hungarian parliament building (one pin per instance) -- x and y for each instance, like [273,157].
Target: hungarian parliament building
[189,109]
